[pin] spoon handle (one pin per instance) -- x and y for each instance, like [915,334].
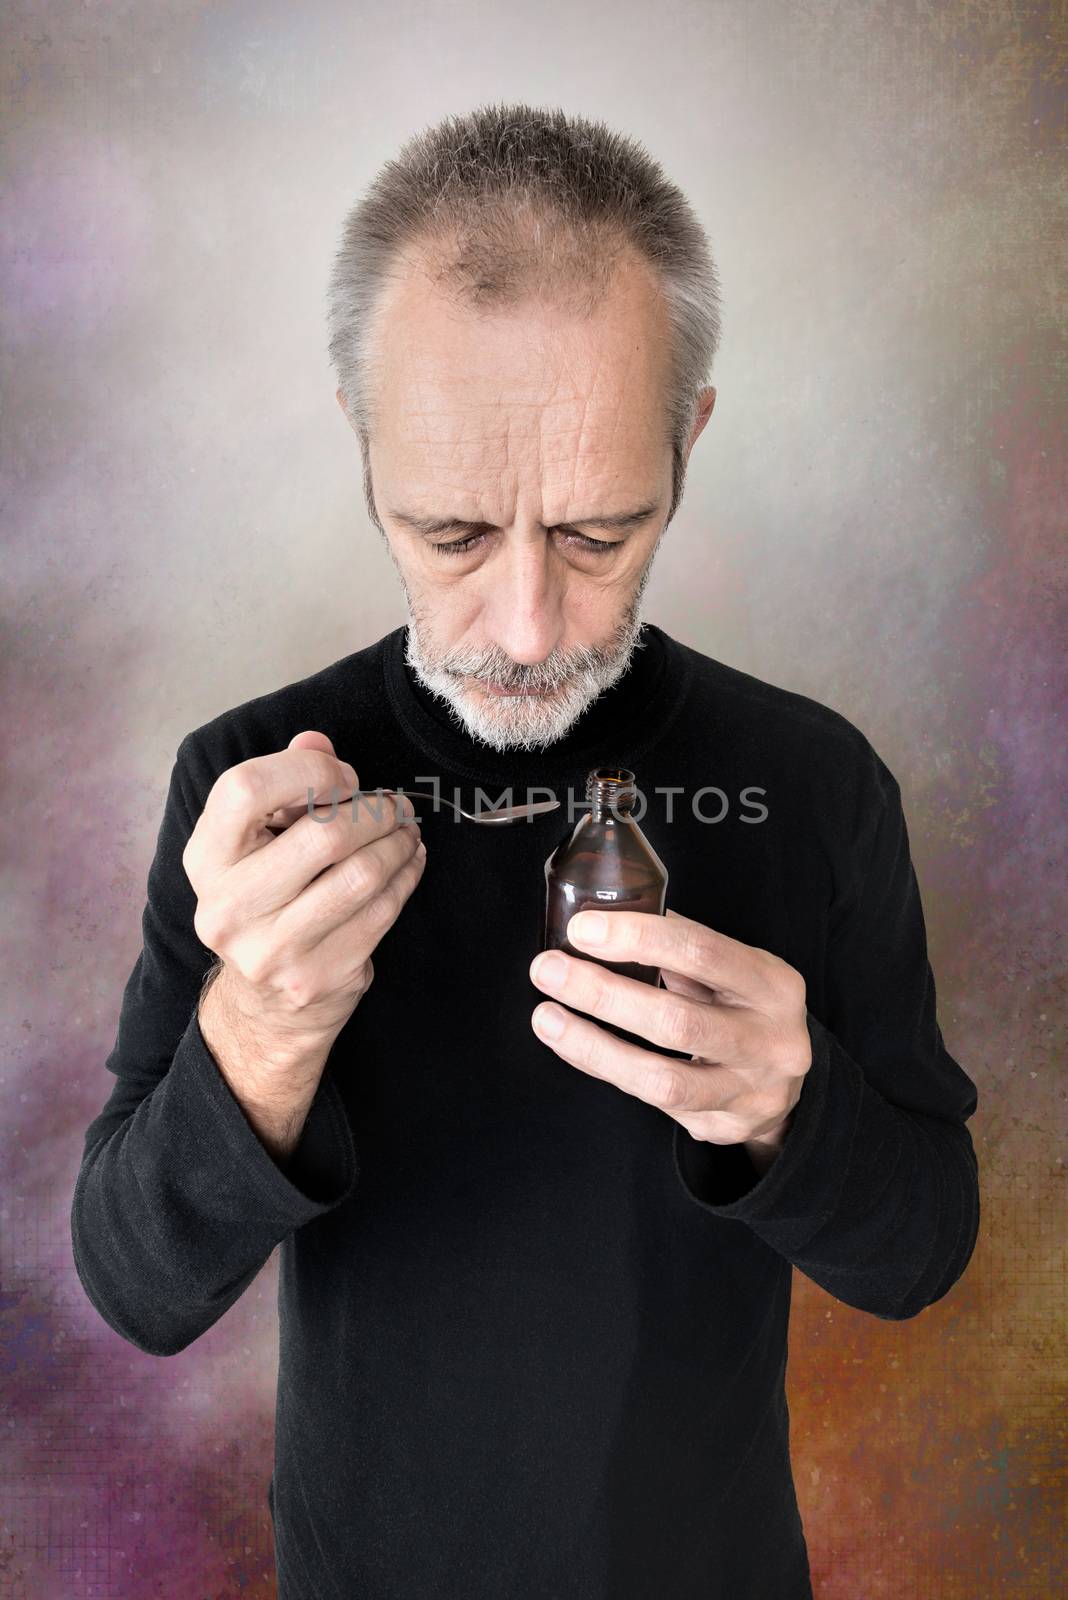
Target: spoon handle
[423,795]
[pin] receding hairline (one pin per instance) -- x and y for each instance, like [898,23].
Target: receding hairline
[576,281]
[579,296]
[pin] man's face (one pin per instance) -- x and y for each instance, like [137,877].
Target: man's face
[508,447]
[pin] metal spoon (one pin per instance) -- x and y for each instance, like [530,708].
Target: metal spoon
[494,814]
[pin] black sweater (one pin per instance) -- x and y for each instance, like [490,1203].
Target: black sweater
[533,1336]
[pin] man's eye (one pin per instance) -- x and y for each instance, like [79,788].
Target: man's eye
[459,546]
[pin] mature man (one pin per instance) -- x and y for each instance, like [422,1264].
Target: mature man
[535,1279]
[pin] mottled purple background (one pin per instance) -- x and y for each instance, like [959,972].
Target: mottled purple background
[876,517]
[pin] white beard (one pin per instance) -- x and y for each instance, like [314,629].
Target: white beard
[523,722]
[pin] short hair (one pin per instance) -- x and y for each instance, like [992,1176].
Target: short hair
[514,201]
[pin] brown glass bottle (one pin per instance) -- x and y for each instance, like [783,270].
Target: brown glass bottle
[606,864]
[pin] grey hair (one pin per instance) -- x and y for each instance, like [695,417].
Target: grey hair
[513,200]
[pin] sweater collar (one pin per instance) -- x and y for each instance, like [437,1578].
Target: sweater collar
[622,724]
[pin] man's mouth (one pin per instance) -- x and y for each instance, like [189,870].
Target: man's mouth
[493,688]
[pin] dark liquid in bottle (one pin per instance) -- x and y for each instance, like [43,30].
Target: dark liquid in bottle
[575,887]
[607,865]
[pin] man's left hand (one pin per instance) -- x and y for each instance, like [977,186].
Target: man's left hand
[738,1011]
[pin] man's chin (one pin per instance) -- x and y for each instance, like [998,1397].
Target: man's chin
[515,721]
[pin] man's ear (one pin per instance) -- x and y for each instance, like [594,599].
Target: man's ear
[341,402]
[704,411]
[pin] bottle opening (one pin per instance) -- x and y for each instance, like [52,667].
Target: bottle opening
[610,789]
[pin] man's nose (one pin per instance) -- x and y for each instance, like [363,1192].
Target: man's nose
[524,604]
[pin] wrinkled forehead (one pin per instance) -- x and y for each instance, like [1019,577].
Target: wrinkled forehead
[461,390]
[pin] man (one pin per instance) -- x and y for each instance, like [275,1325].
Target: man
[535,1280]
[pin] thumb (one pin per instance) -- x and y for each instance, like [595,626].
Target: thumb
[311,740]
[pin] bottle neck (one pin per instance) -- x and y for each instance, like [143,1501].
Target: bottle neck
[611,794]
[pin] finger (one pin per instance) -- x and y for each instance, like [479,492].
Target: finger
[682,985]
[673,1086]
[270,878]
[341,955]
[688,986]
[736,971]
[672,1020]
[245,795]
[348,888]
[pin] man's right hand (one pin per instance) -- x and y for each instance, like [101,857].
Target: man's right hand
[295,915]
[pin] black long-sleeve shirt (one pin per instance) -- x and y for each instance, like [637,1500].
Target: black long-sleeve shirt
[533,1335]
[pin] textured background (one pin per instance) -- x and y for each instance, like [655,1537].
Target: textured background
[876,517]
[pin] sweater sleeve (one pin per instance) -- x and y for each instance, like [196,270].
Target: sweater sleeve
[875,1193]
[177,1203]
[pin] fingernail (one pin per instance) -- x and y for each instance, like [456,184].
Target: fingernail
[549,1022]
[550,969]
[590,926]
[350,774]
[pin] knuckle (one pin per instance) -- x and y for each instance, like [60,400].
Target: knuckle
[397,890]
[324,839]
[669,1089]
[403,843]
[792,986]
[387,904]
[786,984]
[682,1026]
[597,992]
[642,939]
[239,788]
[699,948]
[594,1051]
[725,1127]
[782,975]
[360,874]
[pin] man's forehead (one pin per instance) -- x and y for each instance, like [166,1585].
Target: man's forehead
[453,433]
[449,369]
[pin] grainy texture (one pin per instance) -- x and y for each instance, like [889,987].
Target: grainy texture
[878,508]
